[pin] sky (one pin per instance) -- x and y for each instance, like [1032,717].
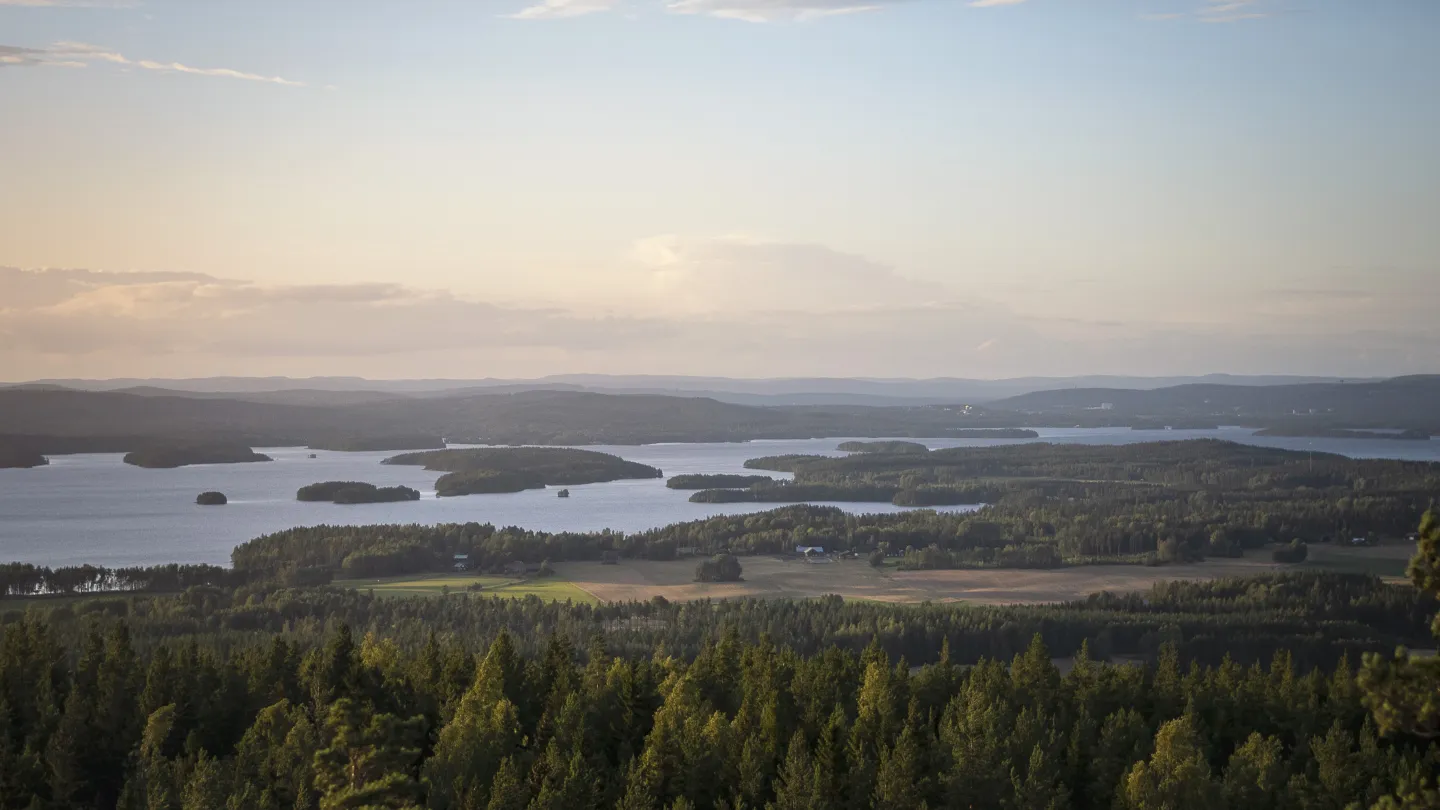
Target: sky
[749,188]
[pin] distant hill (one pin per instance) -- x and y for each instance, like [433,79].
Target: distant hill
[49,421]
[761,392]
[1403,402]
[56,421]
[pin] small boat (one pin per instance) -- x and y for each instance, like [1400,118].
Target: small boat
[564,493]
[312,455]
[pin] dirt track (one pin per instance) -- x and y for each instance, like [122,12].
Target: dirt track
[770,577]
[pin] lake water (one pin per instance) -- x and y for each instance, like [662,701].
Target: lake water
[93,508]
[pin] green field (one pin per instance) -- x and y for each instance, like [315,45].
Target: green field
[1387,562]
[551,589]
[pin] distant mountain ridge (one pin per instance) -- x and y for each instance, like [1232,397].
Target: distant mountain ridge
[762,392]
[54,419]
[1402,402]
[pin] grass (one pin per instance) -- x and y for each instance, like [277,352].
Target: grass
[550,589]
[1384,561]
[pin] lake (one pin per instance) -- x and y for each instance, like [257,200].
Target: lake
[92,508]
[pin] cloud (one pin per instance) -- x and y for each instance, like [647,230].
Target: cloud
[76,312]
[70,3]
[1221,11]
[80,54]
[739,274]
[772,10]
[730,306]
[559,9]
[1210,11]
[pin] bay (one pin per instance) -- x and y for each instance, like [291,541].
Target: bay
[92,508]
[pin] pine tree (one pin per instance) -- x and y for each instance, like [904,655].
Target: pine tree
[1255,773]
[483,732]
[274,759]
[1124,740]
[369,760]
[206,788]
[1177,775]
[1404,693]
[1042,787]
[506,792]
[899,779]
[795,785]
[333,672]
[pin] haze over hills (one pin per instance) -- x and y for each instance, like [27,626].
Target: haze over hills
[56,420]
[773,391]
[1399,402]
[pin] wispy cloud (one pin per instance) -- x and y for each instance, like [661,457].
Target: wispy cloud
[559,9]
[80,54]
[1221,11]
[70,3]
[1209,11]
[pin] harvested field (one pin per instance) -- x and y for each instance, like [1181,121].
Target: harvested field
[550,589]
[779,578]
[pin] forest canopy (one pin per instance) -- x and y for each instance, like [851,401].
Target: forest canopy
[356,444]
[185,454]
[353,492]
[513,469]
[717,480]
[882,447]
[20,457]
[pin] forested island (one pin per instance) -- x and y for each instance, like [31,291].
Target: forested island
[991,433]
[15,457]
[355,492]
[486,482]
[711,481]
[254,691]
[1139,502]
[184,455]
[1174,424]
[882,447]
[356,444]
[514,469]
[1045,506]
[211,499]
[1345,433]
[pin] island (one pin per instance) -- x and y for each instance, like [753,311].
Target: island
[717,481]
[1345,433]
[883,447]
[358,444]
[164,457]
[353,492]
[211,499]
[21,458]
[1174,424]
[486,482]
[494,470]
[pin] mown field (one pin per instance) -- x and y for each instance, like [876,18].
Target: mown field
[551,589]
[781,578]
[772,577]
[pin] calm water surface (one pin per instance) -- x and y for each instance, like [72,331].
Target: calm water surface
[94,509]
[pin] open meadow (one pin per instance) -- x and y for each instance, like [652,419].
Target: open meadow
[551,589]
[779,578]
[775,577]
